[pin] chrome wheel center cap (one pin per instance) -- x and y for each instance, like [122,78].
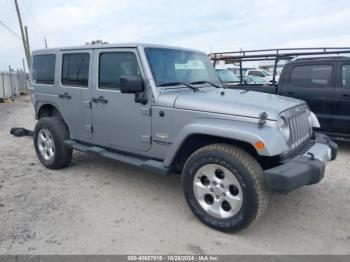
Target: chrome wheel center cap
[217,191]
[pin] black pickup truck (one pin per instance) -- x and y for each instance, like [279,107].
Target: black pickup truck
[324,83]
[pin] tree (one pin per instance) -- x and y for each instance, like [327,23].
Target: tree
[96,42]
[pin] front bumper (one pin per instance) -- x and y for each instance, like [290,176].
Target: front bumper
[305,169]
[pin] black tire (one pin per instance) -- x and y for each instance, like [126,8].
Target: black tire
[62,154]
[247,171]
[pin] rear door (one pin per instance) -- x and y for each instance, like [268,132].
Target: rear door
[118,121]
[342,116]
[315,84]
[75,92]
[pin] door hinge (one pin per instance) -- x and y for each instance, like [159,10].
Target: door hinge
[89,128]
[146,111]
[146,139]
[87,104]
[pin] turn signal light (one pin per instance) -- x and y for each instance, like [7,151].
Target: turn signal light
[259,145]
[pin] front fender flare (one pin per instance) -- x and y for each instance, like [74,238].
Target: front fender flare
[237,130]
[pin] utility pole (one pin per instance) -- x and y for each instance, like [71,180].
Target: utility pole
[45,42]
[3,86]
[25,77]
[25,46]
[27,41]
[10,70]
[24,65]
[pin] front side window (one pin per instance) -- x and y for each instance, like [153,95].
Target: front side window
[311,76]
[175,65]
[75,69]
[43,71]
[113,66]
[346,76]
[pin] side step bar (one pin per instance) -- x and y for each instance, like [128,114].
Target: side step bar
[147,164]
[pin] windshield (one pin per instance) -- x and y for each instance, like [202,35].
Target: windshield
[227,76]
[266,73]
[175,65]
[254,80]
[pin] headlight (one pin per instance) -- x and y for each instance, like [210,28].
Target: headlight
[309,117]
[313,121]
[283,127]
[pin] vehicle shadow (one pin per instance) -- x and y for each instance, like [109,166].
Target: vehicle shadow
[343,146]
[296,209]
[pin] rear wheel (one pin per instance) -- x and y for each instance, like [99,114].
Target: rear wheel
[224,187]
[49,136]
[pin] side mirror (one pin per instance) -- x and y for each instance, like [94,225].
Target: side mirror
[131,84]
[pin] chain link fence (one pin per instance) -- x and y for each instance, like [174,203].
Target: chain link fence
[12,84]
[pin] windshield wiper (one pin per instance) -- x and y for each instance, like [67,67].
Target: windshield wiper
[205,82]
[180,83]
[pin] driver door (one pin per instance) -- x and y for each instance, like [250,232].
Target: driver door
[342,115]
[118,121]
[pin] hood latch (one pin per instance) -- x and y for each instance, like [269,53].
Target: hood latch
[263,117]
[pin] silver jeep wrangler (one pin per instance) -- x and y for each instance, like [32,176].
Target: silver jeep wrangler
[164,109]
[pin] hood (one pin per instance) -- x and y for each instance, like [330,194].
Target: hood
[229,101]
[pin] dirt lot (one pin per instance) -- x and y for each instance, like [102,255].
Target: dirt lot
[98,206]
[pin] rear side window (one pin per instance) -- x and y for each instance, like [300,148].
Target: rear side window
[43,71]
[311,76]
[346,76]
[113,66]
[75,70]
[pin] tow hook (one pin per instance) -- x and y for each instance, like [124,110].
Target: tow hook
[312,156]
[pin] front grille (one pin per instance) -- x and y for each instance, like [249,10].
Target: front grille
[301,150]
[300,127]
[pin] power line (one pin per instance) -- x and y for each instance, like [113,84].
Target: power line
[24,40]
[31,16]
[10,30]
[37,28]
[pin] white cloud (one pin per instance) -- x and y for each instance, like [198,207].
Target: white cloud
[203,24]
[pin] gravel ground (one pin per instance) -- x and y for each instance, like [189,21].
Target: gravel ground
[98,206]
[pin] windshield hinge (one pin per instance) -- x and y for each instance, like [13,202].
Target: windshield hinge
[87,104]
[89,128]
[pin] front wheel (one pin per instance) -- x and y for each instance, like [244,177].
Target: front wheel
[224,187]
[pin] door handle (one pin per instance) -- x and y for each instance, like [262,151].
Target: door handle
[100,99]
[346,96]
[64,96]
[290,93]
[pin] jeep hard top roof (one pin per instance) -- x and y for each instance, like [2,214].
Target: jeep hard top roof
[110,46]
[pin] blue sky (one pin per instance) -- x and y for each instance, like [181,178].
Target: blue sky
[206,25]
